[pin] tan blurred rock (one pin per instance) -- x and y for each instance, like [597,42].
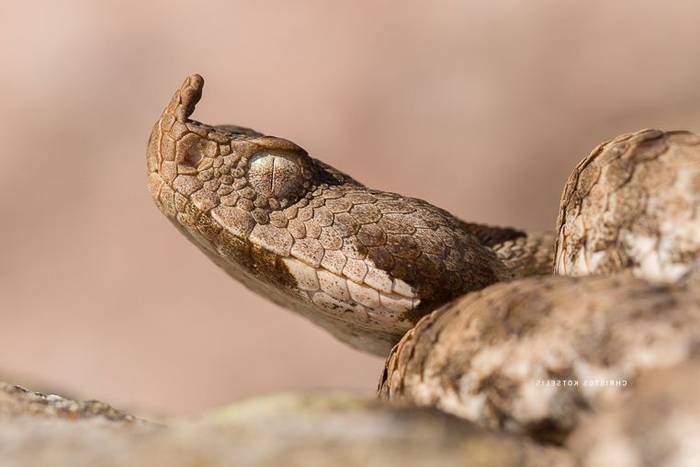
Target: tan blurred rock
[15,401]
[285,430]
[534,355]
[658,425]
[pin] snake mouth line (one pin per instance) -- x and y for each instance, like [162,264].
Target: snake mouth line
[329,290]
[352,291]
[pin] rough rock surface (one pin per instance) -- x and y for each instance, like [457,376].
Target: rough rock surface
[658,425]
[16,402]
[633,204]
[312,430]
[534,355]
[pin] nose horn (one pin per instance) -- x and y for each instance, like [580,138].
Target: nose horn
[185,99]
[160,146]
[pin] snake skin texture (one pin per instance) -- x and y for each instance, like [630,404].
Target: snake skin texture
[364,264]
[633,204]
[490,355]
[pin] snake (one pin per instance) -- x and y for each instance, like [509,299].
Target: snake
[468,316]
[364,264]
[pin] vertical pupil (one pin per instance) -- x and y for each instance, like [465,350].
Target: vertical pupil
[273,175]
[260,174]
[285,175]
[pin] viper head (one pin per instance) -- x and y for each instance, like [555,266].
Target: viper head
[364,264]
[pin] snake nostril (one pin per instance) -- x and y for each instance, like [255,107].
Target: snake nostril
[193,156]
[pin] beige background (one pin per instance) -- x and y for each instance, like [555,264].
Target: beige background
[480,107]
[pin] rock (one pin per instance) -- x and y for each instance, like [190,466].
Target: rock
[287,430]
[15,401]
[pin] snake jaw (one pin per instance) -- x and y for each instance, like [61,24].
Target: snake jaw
[364,264]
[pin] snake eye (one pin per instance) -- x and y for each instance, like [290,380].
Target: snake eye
[277,176]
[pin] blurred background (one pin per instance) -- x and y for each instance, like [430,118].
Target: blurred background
[480,107]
